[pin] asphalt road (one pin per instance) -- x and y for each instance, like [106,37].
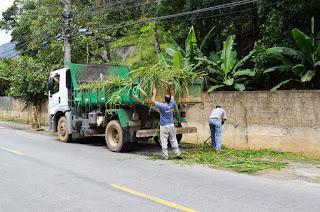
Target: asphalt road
[39,173]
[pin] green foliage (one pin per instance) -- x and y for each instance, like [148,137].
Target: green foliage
[304,62]
[225,68]
[267,22]
[189,58]
[27,78]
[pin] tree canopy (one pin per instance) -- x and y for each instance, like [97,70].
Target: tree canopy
[257,26]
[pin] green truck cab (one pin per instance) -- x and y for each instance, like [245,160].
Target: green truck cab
[78,112]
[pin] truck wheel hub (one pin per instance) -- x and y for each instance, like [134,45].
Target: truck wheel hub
[63,129]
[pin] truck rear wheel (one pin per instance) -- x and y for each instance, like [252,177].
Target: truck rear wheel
[115,138]
[63,130]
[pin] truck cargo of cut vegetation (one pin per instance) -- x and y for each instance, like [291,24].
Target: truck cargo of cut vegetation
[105,99]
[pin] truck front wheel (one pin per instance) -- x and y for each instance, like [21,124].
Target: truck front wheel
[63,130]
[114,136]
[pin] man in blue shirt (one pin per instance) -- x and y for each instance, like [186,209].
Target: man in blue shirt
[167,128]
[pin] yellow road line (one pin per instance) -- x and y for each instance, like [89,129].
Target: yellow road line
[173,205]
[9,150]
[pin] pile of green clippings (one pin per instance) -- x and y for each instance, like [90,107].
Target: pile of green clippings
[246,160]
[145,79]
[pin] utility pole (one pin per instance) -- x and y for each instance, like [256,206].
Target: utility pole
[67,32]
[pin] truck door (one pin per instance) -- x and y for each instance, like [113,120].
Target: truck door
[58,92]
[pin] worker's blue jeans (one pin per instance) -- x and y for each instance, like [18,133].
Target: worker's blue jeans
[216,133]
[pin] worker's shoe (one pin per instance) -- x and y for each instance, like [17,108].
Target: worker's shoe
[165,158]
[179,156]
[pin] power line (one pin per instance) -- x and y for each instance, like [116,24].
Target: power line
[105,5]
[27,42]
[225,14]
[218,7]
[128,7]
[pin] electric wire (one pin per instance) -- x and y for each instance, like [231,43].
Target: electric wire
[218,7]
[225,14]
[125,8]
[26,43]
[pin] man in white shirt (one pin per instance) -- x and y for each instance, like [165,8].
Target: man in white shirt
[216,120]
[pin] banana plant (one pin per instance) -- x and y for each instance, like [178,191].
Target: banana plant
[226,69]
[180,58]
[304,62]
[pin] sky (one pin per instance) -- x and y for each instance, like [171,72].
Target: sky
[4,37]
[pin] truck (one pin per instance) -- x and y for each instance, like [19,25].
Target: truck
[77,113]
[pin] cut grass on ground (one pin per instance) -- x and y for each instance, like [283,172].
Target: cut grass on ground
[248,161]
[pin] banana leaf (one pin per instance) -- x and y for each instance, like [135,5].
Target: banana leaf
[171,51]
[214,87]
[214,57]
[317,44]
[280,68]
[177,47]
[308,76]
[164,59]
[205,59]
[216,71]
[243,60]
[289,51]
[207,36]
[228,82]
[246,72]
[228,56]
[298,69]
[303,41]
[282,58]
[191,39]
[280,84]
[239,86]
[178,60]
[317,63]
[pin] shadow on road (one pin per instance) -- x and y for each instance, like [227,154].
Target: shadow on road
[143,148]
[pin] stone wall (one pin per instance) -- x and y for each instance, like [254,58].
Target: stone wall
[284,120]
[14,108]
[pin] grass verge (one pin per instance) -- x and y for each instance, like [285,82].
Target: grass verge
[12,120]
[248,161]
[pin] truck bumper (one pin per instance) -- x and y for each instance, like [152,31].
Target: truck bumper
[156,132]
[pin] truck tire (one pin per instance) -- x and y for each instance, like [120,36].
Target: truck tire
[115,139]
[63,130]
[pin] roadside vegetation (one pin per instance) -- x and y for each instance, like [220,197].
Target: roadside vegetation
[248,161]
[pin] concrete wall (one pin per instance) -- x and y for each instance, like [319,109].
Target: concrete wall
[13,107]
[284,120]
